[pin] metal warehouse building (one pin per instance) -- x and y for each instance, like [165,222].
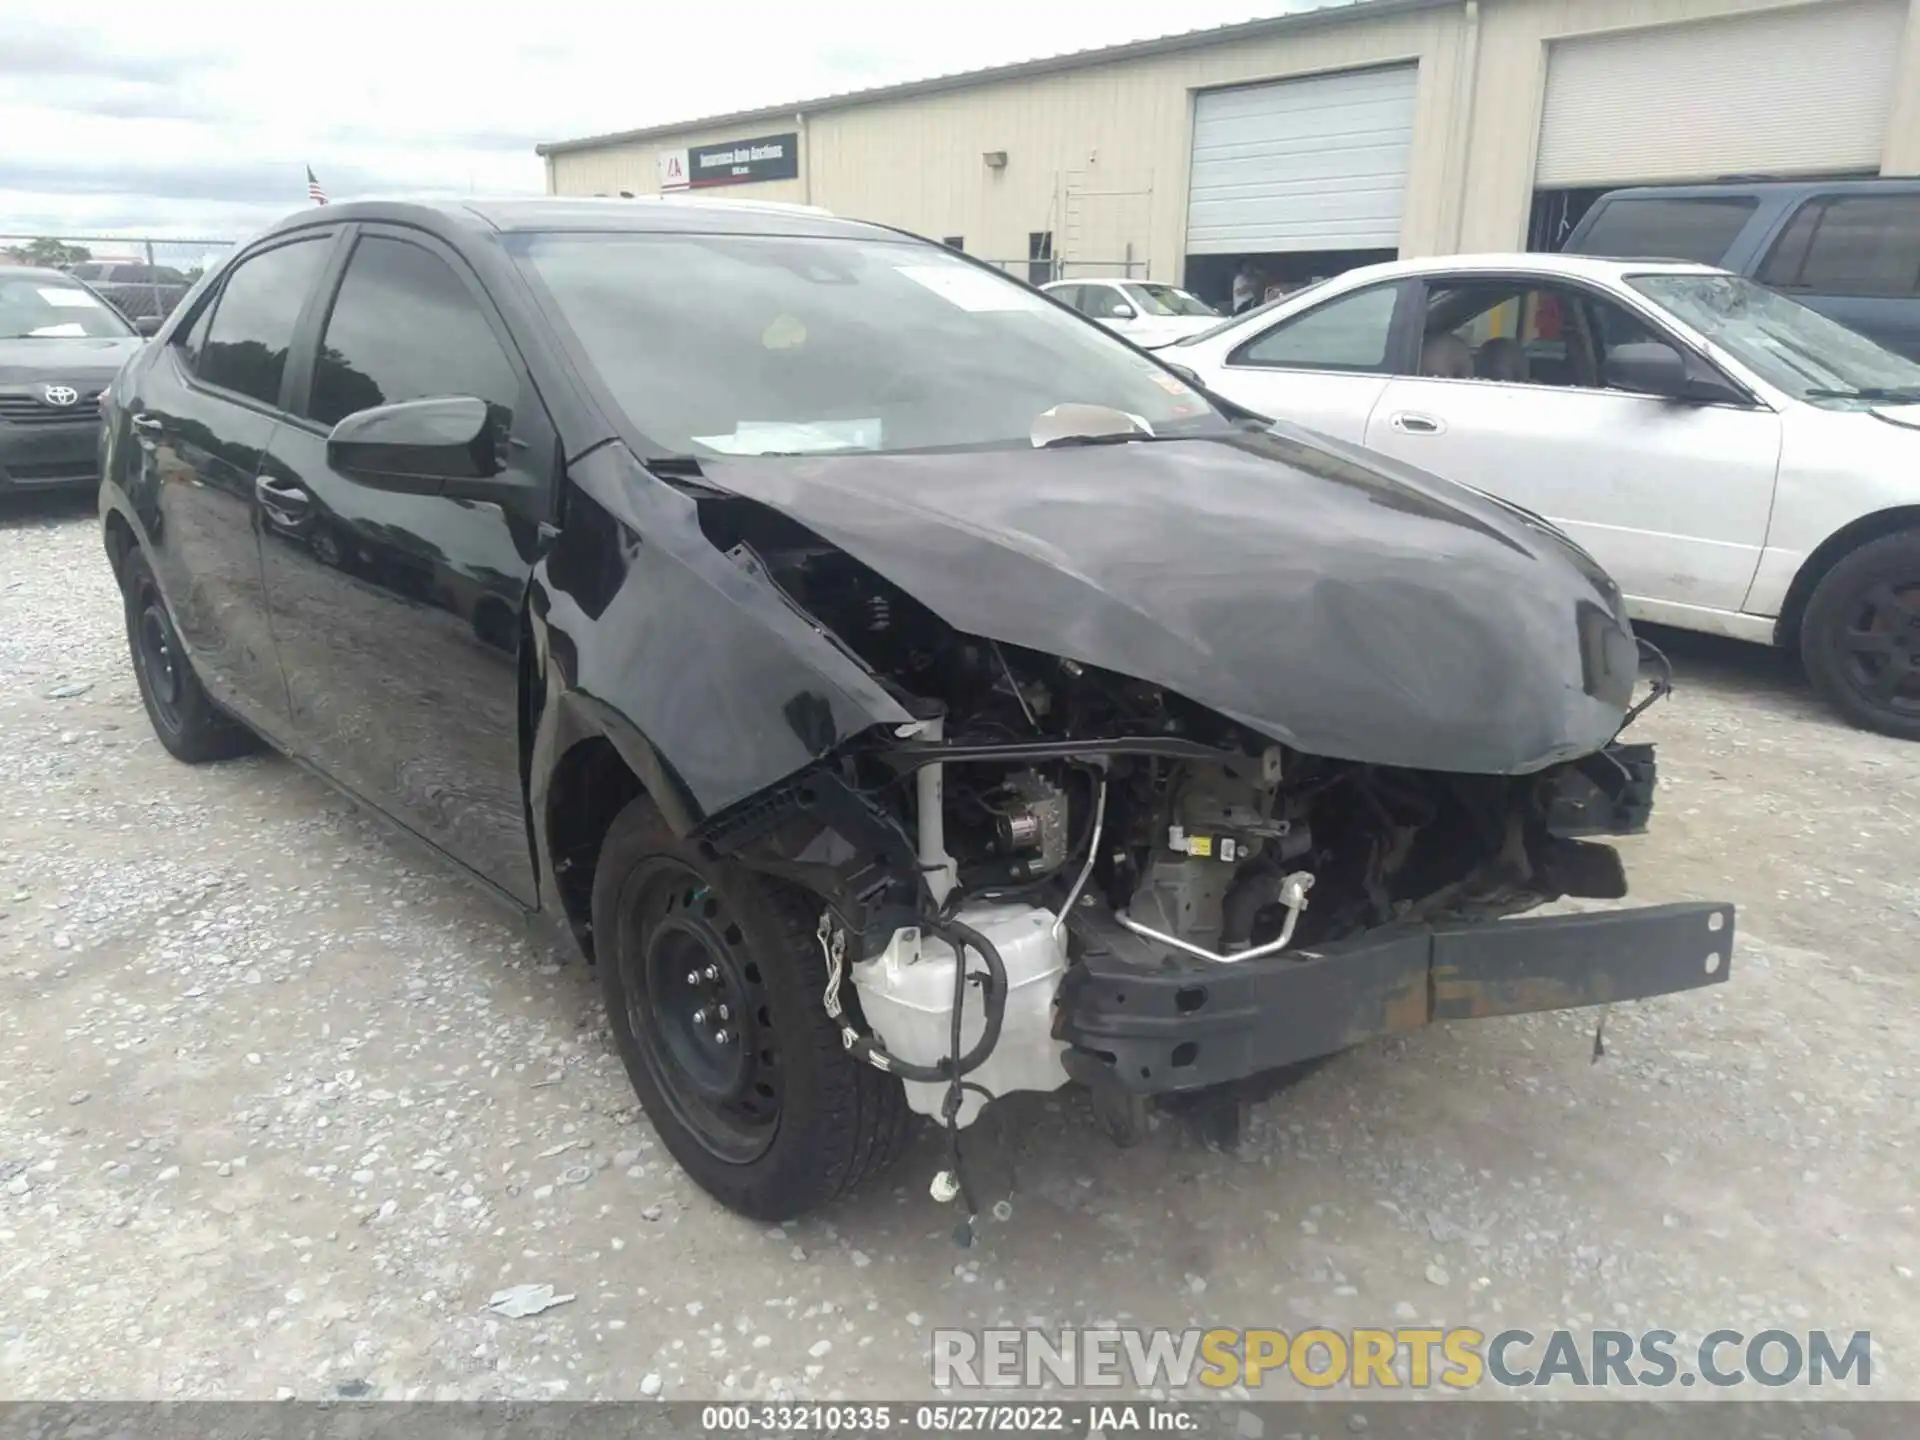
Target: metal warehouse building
[1320,139]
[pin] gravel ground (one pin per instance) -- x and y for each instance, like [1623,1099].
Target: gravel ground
[286,1102]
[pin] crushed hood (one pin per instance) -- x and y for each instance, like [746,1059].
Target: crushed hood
[1320,594]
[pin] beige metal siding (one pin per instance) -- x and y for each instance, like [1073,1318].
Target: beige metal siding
[1097,156]
[1793,92]
[1100,155]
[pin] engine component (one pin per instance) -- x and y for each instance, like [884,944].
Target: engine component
[1293,896]
[907,996]
[1034,819]
[1182,895]
[931,805]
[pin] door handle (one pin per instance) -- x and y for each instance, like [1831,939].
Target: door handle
[282,499]
[146,424]
[1412,422]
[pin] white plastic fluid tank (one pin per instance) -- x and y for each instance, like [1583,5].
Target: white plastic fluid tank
[906,994]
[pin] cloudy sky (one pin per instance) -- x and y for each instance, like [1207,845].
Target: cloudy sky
[198,117]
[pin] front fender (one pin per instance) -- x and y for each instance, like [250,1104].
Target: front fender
[708,685]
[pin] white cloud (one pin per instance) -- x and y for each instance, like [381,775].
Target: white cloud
[199,117]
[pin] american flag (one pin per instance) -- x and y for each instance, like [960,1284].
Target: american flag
[314,192]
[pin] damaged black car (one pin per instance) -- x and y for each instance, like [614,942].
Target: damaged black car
[904,692]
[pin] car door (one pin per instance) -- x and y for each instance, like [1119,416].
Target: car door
[1510,395]
[1324,367]
[203,414]
[399,616]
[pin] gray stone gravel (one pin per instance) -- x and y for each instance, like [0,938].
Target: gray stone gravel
[287,1103]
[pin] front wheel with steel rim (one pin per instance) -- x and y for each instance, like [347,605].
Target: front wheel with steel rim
[713,981]
[1860,638]
[187,722]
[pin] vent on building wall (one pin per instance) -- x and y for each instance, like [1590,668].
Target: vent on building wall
[996,159]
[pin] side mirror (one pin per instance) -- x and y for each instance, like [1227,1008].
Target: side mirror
[447,446]
[1122,311]
[148,325]
[1651,367]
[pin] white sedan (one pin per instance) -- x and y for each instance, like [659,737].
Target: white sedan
[1145,311]
[1739,463]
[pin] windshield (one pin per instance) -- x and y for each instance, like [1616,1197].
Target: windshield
[1799,350]
[34,307]
[1165,300]
[768,344]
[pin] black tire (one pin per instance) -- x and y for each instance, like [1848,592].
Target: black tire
[777,1119]
[1860,637]
[184,717]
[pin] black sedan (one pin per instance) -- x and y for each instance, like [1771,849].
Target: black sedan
[60,346]
[903,690]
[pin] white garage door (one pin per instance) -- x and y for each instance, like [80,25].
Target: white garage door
[1794,92]
[1315,164]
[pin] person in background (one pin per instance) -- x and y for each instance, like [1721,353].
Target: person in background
[1249,284]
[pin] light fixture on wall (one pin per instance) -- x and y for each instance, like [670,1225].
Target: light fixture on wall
[996,159]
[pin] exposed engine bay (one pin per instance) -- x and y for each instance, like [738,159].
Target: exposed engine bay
[958,860]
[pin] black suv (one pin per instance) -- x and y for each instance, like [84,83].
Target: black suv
[904,691]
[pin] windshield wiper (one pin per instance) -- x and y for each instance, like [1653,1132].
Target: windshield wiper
[1127,437]
[1908,394]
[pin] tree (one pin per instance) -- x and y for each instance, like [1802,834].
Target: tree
[46,251]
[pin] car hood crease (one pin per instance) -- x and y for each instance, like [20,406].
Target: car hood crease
[1321,595]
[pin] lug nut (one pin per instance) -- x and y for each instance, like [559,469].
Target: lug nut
[700,1016]
[723,1037]
[724,1013]
[693,977]
[711,973]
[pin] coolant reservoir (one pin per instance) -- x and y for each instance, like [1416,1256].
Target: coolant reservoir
[906,994]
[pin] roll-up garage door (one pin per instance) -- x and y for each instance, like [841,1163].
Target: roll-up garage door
[1313,164]
[1802,91]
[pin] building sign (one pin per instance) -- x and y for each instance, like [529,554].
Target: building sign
[731,162]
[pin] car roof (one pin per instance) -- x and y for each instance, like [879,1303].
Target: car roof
[1867,185]
[687,214]
[1527,262]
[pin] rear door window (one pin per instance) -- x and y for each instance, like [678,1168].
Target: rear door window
[246,344]
[1701,227]
[1850,245]
[1351,333]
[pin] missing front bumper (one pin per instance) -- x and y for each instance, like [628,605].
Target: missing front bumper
[1175,1024]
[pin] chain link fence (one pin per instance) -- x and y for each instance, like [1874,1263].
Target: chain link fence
[143,277]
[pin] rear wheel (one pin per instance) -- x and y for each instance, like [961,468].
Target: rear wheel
[1860,638]
[713,980]
[187,722]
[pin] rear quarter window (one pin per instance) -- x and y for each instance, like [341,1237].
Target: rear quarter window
[1701,227]
[1850,245]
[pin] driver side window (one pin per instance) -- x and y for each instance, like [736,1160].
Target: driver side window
[1512,332]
